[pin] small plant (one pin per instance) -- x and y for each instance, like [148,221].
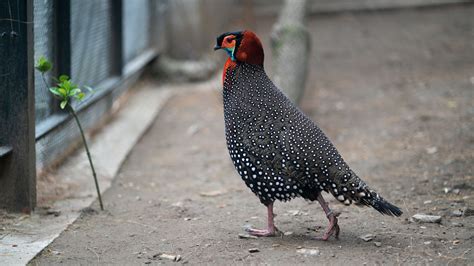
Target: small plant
[66,91]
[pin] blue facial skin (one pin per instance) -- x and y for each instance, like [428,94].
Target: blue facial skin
[230,51]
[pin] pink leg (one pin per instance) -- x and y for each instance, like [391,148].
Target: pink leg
[271,230]
[333,227]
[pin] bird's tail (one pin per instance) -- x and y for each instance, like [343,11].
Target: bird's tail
[371,198]
[359,193]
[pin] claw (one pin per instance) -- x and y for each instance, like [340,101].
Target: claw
[333,227]
[271,230]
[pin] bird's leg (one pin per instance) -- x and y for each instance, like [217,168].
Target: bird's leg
[271,230]
[333,227]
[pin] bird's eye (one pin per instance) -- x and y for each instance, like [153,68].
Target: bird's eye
[229,40]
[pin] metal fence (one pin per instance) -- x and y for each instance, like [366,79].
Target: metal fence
[105,38]
[104,44]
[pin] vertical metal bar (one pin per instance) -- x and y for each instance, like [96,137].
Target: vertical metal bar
[62,10]
[153,21]
[117,37]
[62,43]
[17,116]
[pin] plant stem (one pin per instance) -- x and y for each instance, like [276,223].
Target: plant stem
[44,80]
[71,110]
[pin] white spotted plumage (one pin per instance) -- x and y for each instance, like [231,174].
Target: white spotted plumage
[278,151]
[270,139]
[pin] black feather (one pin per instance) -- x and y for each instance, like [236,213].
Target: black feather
[281,153]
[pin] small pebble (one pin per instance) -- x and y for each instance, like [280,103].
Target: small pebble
[367,237]
[170,257]
[247,236]
[378,244]
[431,150]
[311,252]
[424,218]
[254,250]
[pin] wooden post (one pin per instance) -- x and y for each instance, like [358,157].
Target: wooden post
[17,116]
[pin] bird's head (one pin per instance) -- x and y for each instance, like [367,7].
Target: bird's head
[241,46]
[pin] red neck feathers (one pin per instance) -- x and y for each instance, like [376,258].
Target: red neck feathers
[249,51]
[228,64]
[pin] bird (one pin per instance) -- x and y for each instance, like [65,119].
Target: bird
[278,151]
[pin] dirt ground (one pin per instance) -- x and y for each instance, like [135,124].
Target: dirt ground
[393,90]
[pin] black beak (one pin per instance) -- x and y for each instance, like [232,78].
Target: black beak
[217,47]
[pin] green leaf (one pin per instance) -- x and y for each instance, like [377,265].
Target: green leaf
[89,89]
[63,104]
[43,65]
[63,78]
[62,92]
[66,85]
[80,96]
[74,92]
[55,91]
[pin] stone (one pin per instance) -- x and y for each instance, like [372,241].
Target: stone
[254,250]
[367,237]
[457,224]
[424,218]
[456,213]
[171,257]
[247,236]
[310,252]
[431,150]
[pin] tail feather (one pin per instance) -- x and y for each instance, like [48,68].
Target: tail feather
[355,190]
[371,198]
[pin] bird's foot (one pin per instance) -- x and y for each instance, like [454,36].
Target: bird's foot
[262,232]
[333,228]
